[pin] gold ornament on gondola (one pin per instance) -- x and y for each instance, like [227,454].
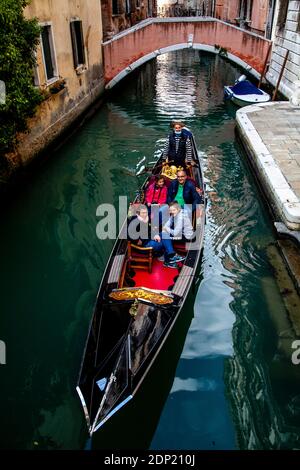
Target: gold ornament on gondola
[141,293]
[170,171]
[134,308]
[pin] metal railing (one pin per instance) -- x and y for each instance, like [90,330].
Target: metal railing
[178,11]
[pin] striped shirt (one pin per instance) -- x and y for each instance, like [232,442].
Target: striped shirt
[188,148]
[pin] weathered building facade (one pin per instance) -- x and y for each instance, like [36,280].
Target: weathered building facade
[169,8]
[118,15]
[286,41]
[69,69]
[248,14]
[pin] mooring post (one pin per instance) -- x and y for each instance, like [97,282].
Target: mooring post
[265,66]
[280,76]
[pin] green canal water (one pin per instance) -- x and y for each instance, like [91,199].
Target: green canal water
[225,379]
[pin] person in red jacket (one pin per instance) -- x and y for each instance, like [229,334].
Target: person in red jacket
[157,192]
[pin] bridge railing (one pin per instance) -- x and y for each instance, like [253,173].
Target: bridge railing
[178,11]
[131,48]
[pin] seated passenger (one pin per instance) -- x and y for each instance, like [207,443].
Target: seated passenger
[140,233]
[157,192]
[184,191]
[178,227]
[139,227]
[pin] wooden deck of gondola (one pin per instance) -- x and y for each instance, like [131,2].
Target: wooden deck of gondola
[116,269]
[182,281]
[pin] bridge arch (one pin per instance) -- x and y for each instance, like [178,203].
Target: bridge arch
[133,47]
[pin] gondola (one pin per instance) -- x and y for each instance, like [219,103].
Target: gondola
[134,313]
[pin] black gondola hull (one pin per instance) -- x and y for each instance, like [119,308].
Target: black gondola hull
[121,347]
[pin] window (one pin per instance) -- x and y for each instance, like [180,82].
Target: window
[283,10]
[77,43]
[245,10]
[115,7]
[127,7]
[48,52]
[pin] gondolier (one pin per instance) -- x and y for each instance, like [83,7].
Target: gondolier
[178,148]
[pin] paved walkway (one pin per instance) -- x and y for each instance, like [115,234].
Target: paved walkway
[271,133]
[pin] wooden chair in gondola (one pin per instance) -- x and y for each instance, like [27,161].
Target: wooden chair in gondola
[139,257]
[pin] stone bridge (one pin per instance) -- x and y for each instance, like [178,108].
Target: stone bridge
[131,48]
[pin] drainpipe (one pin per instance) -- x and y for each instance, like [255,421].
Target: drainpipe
[275,19]
[270,19]
[213,8]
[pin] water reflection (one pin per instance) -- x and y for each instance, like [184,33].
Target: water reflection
[235,386]
[233,328]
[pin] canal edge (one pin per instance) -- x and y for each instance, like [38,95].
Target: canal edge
[282,200]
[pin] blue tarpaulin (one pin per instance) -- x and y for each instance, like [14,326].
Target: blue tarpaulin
[245,88]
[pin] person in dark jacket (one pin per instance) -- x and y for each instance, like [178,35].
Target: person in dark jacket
[140,233]
[178,149]
[184,191]
[139,227]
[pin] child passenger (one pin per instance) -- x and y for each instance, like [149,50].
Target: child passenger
[157,192]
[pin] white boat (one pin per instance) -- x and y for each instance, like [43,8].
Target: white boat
[243,93]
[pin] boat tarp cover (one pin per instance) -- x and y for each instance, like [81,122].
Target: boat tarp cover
[246,88]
